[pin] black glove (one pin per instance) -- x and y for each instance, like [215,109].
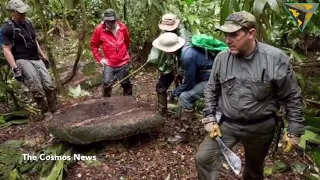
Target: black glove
[46,63]
[17,74]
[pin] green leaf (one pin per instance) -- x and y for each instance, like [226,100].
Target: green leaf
[75,92]
[312,176]
[225,11]
[15,175]
[297,57]
[258,7]
[279,166]
[189,2]
[298,167]
[301,80]
[274,5]
[235,5]
[309,136]
[312,121]
[267,171]
[2,120]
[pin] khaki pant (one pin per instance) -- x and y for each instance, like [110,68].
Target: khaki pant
[36,76]
[255,138]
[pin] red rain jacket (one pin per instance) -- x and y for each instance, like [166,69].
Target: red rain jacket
[114,47]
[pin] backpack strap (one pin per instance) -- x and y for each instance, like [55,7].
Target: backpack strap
[13,30]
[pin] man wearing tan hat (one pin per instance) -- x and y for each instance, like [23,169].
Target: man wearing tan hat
[23,53]
[196,66]
[248,82]
[165,63]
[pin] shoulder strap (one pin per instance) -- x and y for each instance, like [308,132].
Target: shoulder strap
[13,26]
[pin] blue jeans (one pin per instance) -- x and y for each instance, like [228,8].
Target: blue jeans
[188,98]
[110,73]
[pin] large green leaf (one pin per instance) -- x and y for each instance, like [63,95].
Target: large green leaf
[235,5]
[224,11]
[297,56]
[309,137]
[258,7]
[274,5]
[312,121]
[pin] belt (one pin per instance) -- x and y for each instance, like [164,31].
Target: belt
[248,121]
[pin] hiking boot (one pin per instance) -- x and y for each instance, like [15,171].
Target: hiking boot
[42,104]
[52,100]
[162,104]
[181,137]
[185,117]
[127,89]
[106,91]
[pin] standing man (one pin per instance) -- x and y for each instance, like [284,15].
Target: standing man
[169,68]
[22,52]
[197,68]
[248,81]
[113,37]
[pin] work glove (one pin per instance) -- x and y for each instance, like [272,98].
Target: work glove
[17,74]
[104,61]
[289,141]
[212,127]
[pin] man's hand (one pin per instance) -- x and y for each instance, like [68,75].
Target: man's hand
[104,61]
[17,74]
[212,127]
[289,141]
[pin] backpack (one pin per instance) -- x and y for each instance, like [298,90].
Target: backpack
[2,57]
[206,43]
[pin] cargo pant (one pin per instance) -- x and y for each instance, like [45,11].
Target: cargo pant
[38,80]
[255,138]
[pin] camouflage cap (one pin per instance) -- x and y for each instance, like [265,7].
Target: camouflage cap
[236,21]
[18,5]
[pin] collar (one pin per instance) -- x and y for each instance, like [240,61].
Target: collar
[254,51]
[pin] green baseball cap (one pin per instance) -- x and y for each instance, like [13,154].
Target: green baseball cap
[236,21]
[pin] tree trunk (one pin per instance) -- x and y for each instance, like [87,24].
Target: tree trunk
[81,42]
[47,46]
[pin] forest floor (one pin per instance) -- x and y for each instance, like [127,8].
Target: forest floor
[147,156]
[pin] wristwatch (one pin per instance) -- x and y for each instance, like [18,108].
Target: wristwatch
[208,120]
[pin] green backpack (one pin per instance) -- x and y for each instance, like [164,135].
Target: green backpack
[206,43]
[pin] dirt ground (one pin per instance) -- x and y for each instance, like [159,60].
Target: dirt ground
[145,156]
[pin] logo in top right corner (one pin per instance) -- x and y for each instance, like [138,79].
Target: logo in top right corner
[301,12]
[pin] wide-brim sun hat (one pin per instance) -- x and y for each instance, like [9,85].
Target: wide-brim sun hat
[168,42]
[169,22]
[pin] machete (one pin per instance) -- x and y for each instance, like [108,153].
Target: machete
[233,160]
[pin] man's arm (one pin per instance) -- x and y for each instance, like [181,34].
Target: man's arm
[190,69]
[212,90]
[8,55]
[7,42]
[40,52]
[95,44]
[289,93]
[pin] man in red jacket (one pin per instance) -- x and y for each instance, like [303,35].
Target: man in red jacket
[113,37]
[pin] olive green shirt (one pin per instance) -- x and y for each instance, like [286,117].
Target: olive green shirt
[253,87]
[165,62]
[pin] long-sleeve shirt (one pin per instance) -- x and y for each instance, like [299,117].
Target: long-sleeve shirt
[115,45]
[196,67]
[253,87]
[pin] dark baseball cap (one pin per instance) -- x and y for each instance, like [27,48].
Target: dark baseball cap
[236,21]
[109,15]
